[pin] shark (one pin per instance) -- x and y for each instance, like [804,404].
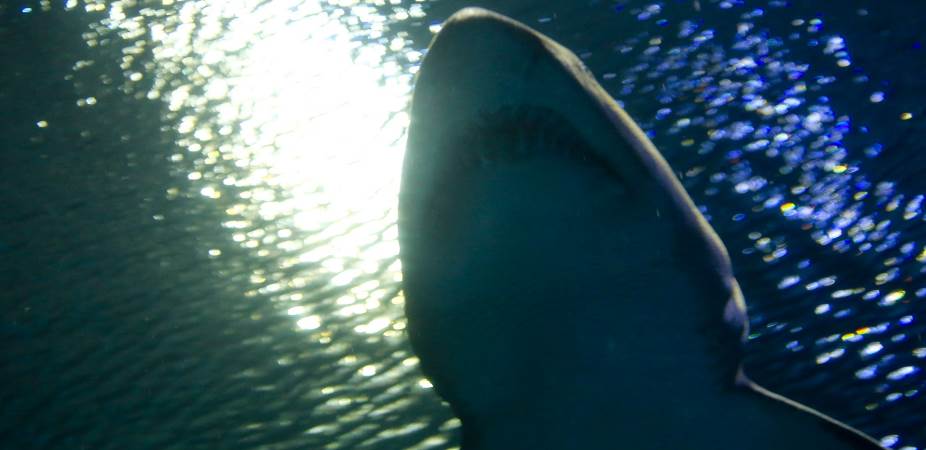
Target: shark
[562,290]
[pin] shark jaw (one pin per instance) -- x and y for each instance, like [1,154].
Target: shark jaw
[562,291]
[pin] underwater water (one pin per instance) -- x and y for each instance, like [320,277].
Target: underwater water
[197,219]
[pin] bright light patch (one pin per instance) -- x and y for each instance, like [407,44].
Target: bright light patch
[284,115]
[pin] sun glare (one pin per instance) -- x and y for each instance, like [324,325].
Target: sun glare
[294,125]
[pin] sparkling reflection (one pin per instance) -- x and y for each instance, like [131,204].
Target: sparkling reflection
[300,129]
[294,127]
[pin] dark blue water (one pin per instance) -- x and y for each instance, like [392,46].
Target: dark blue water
[197,211]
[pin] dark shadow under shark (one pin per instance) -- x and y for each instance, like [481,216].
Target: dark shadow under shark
[562,290]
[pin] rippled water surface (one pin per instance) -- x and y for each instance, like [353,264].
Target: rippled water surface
[198,211]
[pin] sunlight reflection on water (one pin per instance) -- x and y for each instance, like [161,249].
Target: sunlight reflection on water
[300,129]
[296,130]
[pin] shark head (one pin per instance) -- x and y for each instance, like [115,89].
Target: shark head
[562,290]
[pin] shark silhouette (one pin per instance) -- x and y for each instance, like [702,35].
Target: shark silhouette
[562,290]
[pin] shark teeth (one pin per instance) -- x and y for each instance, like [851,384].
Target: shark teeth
[513,133]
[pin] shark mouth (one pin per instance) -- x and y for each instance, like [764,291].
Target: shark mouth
[562,290]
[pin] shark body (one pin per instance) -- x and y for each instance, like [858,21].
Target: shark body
[562,290]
